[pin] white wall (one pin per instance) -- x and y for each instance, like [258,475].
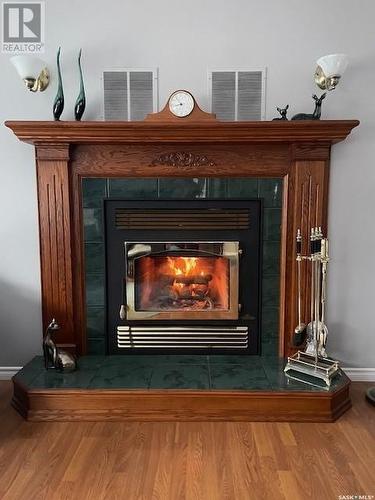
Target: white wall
[184,39]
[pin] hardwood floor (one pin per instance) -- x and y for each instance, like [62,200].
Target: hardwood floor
[173,461]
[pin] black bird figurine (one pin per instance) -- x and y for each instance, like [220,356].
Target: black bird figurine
[80,105]
[58,103]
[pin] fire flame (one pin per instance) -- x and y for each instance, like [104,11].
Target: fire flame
[186,283]
[182,266]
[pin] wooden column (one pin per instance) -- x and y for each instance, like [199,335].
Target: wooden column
[305,206]
[55,240]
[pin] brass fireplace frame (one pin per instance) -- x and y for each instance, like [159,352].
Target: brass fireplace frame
[138,249]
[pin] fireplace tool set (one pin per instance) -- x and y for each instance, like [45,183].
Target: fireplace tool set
[312,366]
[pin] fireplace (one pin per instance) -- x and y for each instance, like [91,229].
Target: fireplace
[183,276]
[111,154]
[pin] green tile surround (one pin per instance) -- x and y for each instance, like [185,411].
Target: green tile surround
[95,190]
[247,373]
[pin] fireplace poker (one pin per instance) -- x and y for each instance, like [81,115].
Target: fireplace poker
[317,257]
[300,330]
[310,326]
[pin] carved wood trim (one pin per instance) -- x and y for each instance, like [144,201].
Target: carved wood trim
[183,160]
[135,160]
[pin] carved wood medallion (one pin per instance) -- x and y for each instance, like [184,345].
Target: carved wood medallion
[182,160]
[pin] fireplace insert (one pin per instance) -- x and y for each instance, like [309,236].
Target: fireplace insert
[181,280]
[183,275]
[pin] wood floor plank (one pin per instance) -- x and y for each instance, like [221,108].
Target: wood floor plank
[290,486]
[187,460]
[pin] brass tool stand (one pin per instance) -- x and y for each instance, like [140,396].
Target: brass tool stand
[313,366]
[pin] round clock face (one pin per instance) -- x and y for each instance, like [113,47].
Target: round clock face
[181,103]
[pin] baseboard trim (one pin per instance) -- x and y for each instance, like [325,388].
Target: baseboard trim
[360,374]
[7,372]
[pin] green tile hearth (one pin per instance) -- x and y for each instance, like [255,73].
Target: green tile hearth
[174,372]
[118,376]
[243,376]
[180,376]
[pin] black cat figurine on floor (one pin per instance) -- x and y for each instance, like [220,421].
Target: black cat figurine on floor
[316,113]
[283,112]
[56,358]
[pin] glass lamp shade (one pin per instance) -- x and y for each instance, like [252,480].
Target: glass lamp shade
[333,64]
[27,66]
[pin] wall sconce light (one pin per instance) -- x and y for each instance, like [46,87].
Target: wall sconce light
[33,72]
[329,70]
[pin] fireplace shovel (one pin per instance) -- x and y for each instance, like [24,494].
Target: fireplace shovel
[300,330]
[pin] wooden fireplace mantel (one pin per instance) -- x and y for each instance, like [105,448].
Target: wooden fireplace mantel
[66,152]
[106,132]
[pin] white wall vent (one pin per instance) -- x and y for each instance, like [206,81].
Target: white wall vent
[238,95]
[130,94]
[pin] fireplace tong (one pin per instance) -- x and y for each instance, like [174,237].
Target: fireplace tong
[312,365]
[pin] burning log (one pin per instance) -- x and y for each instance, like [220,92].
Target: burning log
[193,280]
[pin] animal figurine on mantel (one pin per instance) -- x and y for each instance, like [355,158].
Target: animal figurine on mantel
[58,103]
[283,112]
[316,113]
[55,358]
[80,104]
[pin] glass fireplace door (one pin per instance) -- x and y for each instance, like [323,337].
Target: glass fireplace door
[182,280]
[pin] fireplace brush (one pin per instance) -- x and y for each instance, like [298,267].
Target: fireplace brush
[310,330]
[323,331]
[315,326]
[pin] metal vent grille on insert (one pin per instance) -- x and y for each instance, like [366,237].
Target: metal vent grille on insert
[189,337]
[180,219]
